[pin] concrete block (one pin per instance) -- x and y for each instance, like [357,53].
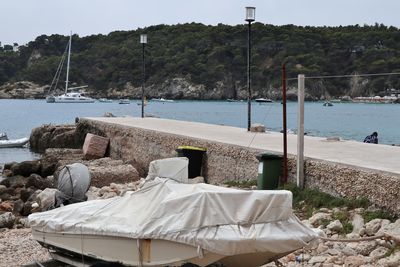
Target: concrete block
[95,146]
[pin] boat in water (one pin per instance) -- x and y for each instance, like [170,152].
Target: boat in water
[105,100]
[327,104]
[162,100]
[124,101]
[168,222]
[9,143]
[263,100]
[71,95]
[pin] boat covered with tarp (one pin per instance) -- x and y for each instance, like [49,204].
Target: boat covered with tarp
[170,222]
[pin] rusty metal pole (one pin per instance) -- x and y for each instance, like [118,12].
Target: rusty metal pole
[285,168]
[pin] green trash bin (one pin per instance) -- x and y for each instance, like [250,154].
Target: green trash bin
[269,171]
[195,156]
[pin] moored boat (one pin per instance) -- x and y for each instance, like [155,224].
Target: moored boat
[162,100]
[105,100]
[263,100]
[71,95]
[14,142]
[124,101]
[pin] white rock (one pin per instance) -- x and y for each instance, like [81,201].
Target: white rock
[317,259]
[378,253]
[392,261]
[364,247]
[46,198]
[335,226]
[373,226]
[318,218]
[7,220]
[353,261]
[348,251]
[358,224]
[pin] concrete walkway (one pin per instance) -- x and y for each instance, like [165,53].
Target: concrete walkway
[370,156]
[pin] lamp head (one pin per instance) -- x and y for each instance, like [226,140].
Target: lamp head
[143,38]
[250,14]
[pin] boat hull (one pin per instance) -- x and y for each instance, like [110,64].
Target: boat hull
[63,100]
[153,252]
[14,143]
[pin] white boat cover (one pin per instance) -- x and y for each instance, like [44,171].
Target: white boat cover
[173,168]
[221,220]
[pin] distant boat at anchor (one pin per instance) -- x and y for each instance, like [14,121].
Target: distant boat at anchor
[263,100]
[70,95]
[124,101]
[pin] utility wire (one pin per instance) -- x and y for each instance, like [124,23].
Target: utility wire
[347,76]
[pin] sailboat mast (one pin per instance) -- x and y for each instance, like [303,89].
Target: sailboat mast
[69,56]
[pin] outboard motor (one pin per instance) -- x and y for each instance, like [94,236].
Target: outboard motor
[72,184]
[3,136]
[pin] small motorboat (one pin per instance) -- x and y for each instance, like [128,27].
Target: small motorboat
[162,100]
[169,222]
[327,104]
[8,143]
[124,101]
[105,100]
[263,100]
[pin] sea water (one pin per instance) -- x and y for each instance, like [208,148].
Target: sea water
[351,121]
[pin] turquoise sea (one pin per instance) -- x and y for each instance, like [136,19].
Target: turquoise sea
[348,120]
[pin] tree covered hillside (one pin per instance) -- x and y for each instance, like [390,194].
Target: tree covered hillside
[208,55]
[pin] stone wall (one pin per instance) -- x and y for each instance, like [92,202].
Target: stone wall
[228,162]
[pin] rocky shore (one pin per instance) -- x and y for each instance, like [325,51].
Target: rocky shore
[175,88]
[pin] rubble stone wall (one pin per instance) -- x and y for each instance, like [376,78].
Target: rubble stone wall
[229,162]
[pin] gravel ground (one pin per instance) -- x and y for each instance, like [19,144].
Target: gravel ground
[17,248]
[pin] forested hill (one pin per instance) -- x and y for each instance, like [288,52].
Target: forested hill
[215,57]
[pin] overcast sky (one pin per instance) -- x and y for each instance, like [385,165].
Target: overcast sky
[23,20]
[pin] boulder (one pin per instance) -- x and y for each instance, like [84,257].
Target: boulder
[257,128]
[9,165]
[26,168]
[26,193]
[353,261]
[13,182]
[319,218]
[18,206]
[38,182]
[335,226]
[7,220]
[106,171]
[6,206]
[95,146]
[46,198]
[50,136]
[52,157]
[378,253]
[27,208]
[358,224]
[373,226]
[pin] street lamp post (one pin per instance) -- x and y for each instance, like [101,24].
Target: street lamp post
[143,41]
[250,17]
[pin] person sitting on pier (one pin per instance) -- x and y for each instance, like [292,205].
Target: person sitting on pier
[373,138]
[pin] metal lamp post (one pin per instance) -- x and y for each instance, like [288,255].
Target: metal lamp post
[250,17]
[143,41]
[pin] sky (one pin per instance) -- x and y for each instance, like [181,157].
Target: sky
[23,20]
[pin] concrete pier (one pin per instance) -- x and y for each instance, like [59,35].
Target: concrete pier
[343,168]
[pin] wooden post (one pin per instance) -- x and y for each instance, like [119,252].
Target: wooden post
[300,132]
[285,171]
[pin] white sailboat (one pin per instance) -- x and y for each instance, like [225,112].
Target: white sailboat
[71,95]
